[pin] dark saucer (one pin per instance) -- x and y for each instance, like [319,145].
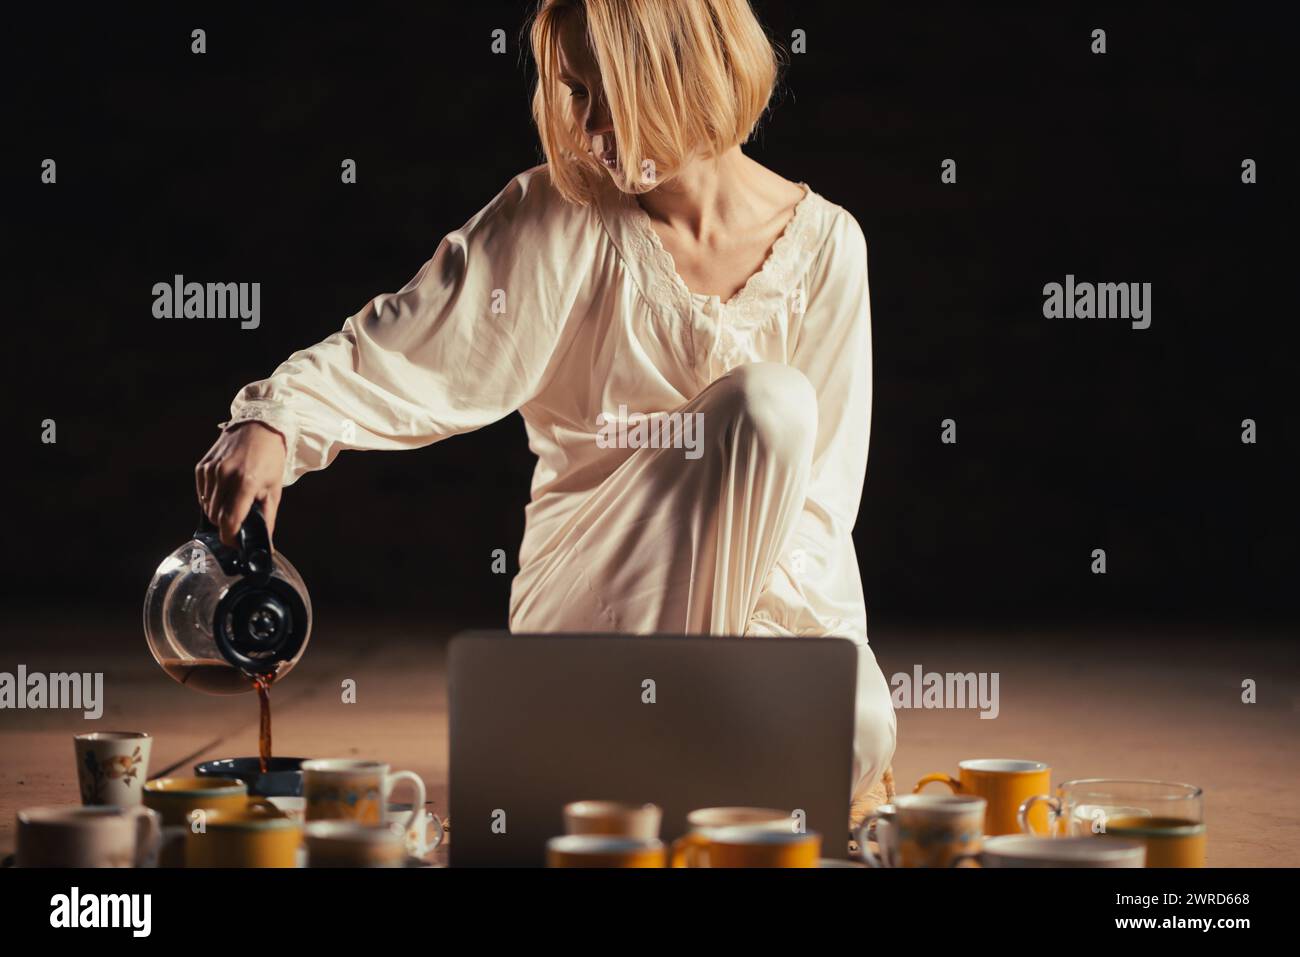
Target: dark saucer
[284,779]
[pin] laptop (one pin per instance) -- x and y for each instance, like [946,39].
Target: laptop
[538,721]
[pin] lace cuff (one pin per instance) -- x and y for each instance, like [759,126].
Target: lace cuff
[274,416]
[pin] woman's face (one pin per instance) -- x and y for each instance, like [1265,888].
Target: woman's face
[579,72]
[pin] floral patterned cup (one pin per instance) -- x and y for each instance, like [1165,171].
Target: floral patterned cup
[343,789]
[926,830]
[112,766]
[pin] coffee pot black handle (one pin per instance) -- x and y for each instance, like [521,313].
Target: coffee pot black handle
[254,558]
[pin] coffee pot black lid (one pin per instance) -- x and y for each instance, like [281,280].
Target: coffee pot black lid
[261,620]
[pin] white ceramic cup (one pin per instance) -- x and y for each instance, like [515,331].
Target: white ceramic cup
[101,836]
[352,790]
[1019,850]
[923,830]
[112,766]
[352,844]
[294,808]
[887,838]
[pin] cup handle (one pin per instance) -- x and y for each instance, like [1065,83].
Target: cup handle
[864,848]
[690,850]
[947,779]
[417,806]
[1053,813]
[436,823]
[148,840]
[262,804]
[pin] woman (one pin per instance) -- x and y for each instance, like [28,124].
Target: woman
[648,279]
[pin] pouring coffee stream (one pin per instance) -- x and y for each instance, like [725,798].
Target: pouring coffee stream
[227,620]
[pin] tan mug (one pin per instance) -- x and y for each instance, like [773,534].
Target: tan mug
[691,850]
[927,830]
[1005,783]
[614,818]
[102,836]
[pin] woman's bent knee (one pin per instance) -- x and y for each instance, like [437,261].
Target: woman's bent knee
[777,401]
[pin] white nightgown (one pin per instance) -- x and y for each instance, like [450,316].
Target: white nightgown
[565,312]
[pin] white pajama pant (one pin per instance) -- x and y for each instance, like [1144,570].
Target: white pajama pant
[672,545]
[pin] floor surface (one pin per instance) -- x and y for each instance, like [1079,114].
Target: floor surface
[1093,701]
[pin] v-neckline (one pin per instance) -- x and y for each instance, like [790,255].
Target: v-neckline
[779,252]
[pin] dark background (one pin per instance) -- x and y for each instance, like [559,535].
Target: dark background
[1073,434]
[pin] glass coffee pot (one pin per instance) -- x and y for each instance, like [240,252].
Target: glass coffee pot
[222,620]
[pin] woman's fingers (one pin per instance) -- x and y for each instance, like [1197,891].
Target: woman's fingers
[237,498]
[199,486]
[243,465]
[203,483]
[271,505]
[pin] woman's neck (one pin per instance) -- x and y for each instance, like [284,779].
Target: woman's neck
[708,197]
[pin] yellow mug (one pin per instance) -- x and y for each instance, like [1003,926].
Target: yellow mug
[177,799]
[1005,784]
[690,849]
[604,850]
[251,838]
[759,846]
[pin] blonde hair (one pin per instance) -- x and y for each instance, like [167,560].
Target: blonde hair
[682,78]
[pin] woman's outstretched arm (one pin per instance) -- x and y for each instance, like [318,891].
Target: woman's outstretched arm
[471,338]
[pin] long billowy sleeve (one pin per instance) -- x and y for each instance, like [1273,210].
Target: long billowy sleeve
[816,588]
[471,338]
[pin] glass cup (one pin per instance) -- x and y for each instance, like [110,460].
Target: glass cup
[1168,817]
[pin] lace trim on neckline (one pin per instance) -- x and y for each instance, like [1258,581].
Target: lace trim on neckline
[777,275]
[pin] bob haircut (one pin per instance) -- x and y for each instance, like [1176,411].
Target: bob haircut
[682,78]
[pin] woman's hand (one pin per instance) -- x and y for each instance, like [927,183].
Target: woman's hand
[244,465]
